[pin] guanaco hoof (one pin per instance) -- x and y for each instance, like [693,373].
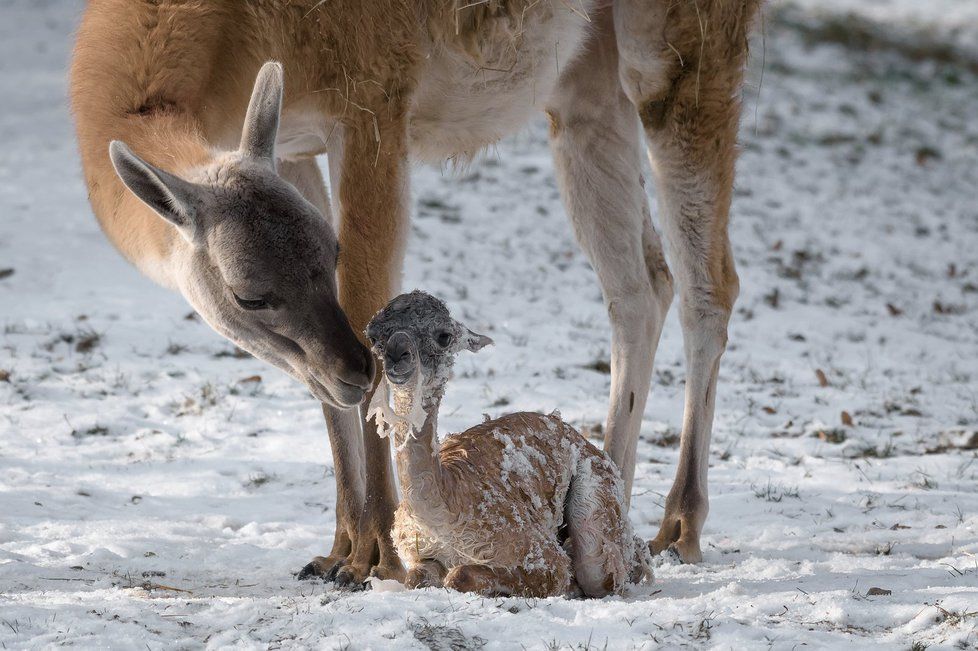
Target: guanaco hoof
[318,568]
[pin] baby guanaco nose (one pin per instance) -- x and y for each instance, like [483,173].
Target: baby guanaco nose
[399,357]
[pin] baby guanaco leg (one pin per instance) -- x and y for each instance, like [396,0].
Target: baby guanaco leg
[425,574]
[599,539]
[552,577]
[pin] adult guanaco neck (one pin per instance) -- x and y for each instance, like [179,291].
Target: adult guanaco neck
[164,137]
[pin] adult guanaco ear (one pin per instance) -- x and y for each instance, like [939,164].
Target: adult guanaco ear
[171,197]
[475,342]
[261,121]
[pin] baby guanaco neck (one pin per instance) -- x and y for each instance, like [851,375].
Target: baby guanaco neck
[418,467]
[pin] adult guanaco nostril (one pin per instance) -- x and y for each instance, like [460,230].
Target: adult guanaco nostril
[356,368]
[360,361]
[370,366]
[360,370]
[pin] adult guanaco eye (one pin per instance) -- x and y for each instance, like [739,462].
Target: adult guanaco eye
[444,339]
[251,303]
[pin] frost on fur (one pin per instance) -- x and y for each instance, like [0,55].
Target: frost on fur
[386,418]
[522,504]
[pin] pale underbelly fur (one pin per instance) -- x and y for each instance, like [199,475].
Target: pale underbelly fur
[466,101]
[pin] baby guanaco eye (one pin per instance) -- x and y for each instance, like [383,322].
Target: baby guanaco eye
[251,303]
[444,339]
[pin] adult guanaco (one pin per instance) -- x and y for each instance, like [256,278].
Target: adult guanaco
[220,197]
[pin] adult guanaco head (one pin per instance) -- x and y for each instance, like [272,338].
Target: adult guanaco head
[260,267]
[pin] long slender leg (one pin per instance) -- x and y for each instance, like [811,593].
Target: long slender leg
[682,67]
[373,202]
[595,140]
[345,439]
[346,443]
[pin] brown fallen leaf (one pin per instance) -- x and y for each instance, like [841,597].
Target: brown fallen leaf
[926,154]
[875,592]
[831,435]
[846,418]
[823,381]
[893,309]
[769,410]
[898,526]
[249,379]
[947,308]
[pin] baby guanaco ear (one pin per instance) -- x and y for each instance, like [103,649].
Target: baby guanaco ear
[372,331]
[475,342]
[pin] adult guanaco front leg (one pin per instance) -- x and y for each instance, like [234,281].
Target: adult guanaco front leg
[373,229]
[681,64]
[345,438]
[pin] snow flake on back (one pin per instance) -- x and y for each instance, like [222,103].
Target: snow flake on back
[519,456]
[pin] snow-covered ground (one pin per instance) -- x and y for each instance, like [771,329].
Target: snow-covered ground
[158,491]
[942,28]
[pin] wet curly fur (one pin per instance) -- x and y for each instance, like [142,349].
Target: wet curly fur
[522,504]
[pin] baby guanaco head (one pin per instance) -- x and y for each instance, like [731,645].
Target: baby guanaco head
[415,335]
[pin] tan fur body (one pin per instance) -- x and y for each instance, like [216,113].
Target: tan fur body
[173,78]
[511,497]
[376,84]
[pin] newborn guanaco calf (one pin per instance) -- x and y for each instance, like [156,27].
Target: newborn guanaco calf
[519,505]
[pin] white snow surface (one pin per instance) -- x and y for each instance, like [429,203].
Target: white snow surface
[156,491]
[943,25]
